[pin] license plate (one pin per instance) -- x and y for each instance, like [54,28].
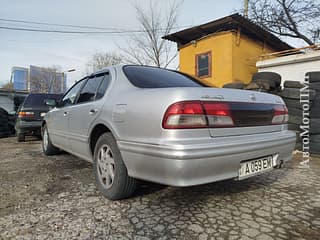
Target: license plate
[256,166]
[42,114]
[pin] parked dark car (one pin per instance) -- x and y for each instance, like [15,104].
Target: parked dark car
[30,114]
[4,128]
[12,117]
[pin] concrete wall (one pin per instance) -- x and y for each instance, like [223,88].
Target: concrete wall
[292,67]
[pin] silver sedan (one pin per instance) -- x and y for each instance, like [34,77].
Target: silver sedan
[138,122]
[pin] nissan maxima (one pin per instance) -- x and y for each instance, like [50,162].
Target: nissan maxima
[139,122]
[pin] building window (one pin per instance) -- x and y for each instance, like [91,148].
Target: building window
[203,65]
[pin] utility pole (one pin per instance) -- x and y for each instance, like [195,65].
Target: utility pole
[245,9]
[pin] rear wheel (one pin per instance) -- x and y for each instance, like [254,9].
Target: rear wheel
[21,137]
[47,146]
[110,172]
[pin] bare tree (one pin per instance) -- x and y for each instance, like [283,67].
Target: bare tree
[299,19]
[7,86]
[46,79]
[148,47]
[99,61]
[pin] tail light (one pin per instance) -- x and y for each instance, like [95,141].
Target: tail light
[218,114]
[185,115]
[280,114]
[196,114]
[206,114]
[26,114]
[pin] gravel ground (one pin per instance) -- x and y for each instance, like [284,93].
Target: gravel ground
[56,198]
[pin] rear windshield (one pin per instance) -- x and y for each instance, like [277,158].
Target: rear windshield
[37,100]
[152,77]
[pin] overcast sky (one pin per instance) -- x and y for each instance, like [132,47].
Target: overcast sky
[18,48]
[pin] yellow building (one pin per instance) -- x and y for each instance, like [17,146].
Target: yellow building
[225,50]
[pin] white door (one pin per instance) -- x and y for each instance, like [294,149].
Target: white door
[59,117]
[85,111]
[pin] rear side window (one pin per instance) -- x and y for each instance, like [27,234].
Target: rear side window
[152,77]
[38,100]
[88,92]
[103,86]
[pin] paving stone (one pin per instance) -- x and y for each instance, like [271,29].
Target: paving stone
[196,228]
[281,204]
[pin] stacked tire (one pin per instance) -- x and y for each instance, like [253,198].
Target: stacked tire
[291,96]
[314,84]
[235,85]
[270,82]
[265,82]
[4,128]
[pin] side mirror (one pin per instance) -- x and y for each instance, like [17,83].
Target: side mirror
[50,102]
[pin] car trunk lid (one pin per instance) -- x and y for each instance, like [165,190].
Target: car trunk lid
[226,112]
[251,112]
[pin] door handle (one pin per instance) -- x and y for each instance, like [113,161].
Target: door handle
[65,114]
[93,111]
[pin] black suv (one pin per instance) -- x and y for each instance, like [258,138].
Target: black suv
[30,114]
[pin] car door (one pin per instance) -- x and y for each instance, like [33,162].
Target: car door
[58,124]
[85,111]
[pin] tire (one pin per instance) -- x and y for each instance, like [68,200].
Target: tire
[47,147]
[234,85]
[315,143]
[315,107]
[293,127]
[315,138]
[295,112]
[21,137]
[314,125]
[252,86]
[293,84]
[260,87]
[292,103]
[298,146]
[315,86]
[3,134]
[111,173]
[271,76]
[313,76]
[294,93]
[295,119]
[265,84]
[315,148]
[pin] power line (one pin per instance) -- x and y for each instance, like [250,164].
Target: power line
[114,30]
[71,32]
[55,24]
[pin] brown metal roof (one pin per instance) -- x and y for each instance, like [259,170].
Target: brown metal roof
[232,22]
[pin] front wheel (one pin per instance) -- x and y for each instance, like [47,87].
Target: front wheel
[110,172]
[47,146]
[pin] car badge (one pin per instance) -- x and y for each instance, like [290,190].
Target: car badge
[253,97]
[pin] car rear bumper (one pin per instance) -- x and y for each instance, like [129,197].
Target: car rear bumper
[28,126]
[196,162]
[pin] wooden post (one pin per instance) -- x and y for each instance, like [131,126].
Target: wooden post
[245,9]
